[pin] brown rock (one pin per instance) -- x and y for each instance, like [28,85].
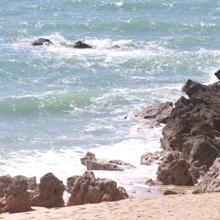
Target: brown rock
[169,192]
[50,192]
[149,182]
[4,183]
[150,158]
[88,189]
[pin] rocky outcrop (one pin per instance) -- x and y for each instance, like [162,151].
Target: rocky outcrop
[4,183]
[194,124]
[154,115]
[91,163]
[81,45]
[16,199]
[41,42]
[88,189]
[49,193]
[211,181]
[174,170]
[150,158]
[149,182]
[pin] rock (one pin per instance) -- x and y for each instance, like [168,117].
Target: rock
[175,172]
[41,41]
[217,74]
[50,192]
[169,192]
[81,45]
[194,124]
[88,189]
[31,182]
[211,181]
[149,182]
[150,158]
[17,199]
[4,183]
[156,114]
[91,163]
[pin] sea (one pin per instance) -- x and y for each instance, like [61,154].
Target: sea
[57,102]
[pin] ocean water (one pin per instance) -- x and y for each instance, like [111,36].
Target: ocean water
[57,103]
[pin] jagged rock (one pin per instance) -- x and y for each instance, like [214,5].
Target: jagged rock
[17,199]
[81,45]
[31,182]
[149,182]
[50,192]
[217,74]
[150,158]
[174,170]
[154,115]
[211,181]
[88,189]
[4,183]
[194,124]
[91,163]
[41,41]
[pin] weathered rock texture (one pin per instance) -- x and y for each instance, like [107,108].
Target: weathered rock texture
[150,158]
[211,181]
[174,170]
[194,124]
[88,189]
[92,163]
[49,193]
[16,197]
[156,114]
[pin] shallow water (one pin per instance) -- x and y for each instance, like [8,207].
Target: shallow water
[56,102]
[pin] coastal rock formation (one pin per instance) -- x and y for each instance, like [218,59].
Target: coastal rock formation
[81,45]
[41,42]
[91,163]
[17,199]
[88,189]
[150,158]
[194,124]
[149,182]
[4,183]
[211,181]
[49,193]
[156,114]
[174,170]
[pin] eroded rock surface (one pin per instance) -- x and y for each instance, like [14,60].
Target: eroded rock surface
[88,189]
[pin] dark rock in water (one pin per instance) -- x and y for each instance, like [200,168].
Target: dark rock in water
[81,45]
[116,46]
[149,182]
[169,192]
[87,189]
[92,163]
[174,170]
[50,192]
[217,74]
[17,199]
[211,181]
[156,114]
[194,124]
[41,41]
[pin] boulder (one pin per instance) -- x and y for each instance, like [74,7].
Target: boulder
[154,115]
[217,74]
[149,182]
[194,124]
[91,163]
[17,199]
[81,45]
[150,158]
[175,171]
[49,193]
[88,189]
[211,181]
[41,42]
[169,192]
[4,183]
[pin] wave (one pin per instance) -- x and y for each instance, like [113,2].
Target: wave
[52,102]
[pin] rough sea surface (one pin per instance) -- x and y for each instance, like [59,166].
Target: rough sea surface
[56,102]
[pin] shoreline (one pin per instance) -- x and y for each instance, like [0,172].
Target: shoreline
[202,207]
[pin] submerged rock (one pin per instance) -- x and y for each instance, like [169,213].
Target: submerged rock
[81,45]
[88,189]
[91,163]
[41,41]
[50,192]
[154,115]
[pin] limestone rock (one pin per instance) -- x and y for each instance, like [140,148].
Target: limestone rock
[88,189]
[50,192]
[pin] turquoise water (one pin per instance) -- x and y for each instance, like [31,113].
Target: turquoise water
[57,102]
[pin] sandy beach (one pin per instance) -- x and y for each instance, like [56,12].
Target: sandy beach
[192,207]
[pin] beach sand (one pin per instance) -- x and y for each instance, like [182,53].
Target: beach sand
[189,206]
